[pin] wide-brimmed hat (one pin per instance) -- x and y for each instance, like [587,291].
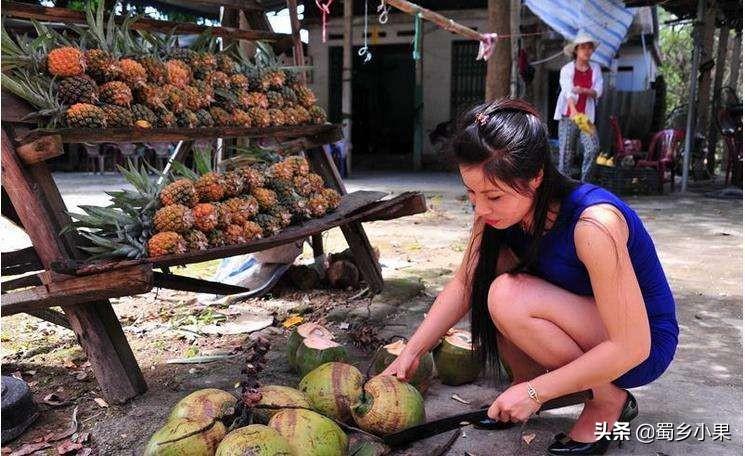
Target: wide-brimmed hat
[582,37]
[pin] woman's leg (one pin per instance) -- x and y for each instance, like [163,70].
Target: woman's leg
[591,147]
[568,132]
[554,326]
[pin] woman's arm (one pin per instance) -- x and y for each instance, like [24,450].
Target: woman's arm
[600,238]
[597,82]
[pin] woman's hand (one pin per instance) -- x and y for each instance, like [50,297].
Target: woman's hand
[513,405]
[403,367]
[578,90]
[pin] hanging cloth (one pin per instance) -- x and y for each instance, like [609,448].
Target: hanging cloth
[417,53]
[325,11]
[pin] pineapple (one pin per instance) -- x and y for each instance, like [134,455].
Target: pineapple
[175,217]
[133,73]
[317,115]
[272,78]
[174,98]
[192,98]
[196,240]
[265,197]
[204,118]
[280,186]
[166,118]
[224,216]
[257,99]
[252,178]
[234,183]
[283,170]
[166,243]
[179,73]
[269,224]
[210,187]
[154,97]
[216,238]
[316,182]
[291,116]
[289,96]
[205,217]
[221,116]
[241,118]
[275,99]
[254,80]
[117,116]
[300,166]
[115,92]
[303,115]
[239,210]
[65,62]
[185,55]
[297,205]
[206,93]
[77,89]
[180,191]
[282,214]
[278,117]
[204,63]
[141,112]
[143,124]
[155,69]
[317,205]
[234,235]
[332,197]
[102,66]
[239,82]
[218,80]
[302,185]
[227,65]
[260,117]
[252,206]
[252,231]
[187,119]
[84,115]
[305,96]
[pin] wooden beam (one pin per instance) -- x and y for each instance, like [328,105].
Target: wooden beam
[30,280]
[735,62]
[52,316]
[251,5]
[704,81]
[80,290]
[442,21]
[183,283]
[41,149]
[498,66]
[346,85]
[80,135]
[297,44]
[20,261]
[718,78]
[67,16]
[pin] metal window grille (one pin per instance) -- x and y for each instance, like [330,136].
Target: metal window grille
[468,77]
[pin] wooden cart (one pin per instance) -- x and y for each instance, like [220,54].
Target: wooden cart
[31,199]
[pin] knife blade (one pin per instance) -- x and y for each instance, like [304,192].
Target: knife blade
[478,418]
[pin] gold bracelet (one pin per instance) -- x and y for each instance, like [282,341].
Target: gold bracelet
[533,394]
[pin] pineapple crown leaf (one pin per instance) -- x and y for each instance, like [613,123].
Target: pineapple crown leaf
[179,169]
[203,159]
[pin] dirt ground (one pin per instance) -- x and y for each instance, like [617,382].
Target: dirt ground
[699,241]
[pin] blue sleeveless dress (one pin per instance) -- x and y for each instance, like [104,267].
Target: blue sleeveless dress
[558,264]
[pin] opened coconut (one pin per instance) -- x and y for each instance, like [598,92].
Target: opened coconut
[332,388]
[310,433]
[280,396]
[314,351]
[186,437]
[299,334]
[388,405]
[455,360]
[388,353]
[254,440]
[209,403]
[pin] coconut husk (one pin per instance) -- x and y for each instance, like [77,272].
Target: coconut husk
[209,403]
[255,440]
[332,389]
[180,437]
[388,405]
[422,377]
[310,433]
[278,396]
[315,351]
[454,359]
[299,334]
[343,274]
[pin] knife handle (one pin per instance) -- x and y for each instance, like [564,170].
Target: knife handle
[559,402]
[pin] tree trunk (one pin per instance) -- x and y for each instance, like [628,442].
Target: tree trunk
[718,77]
[704,95]
[498,67]
[346,84]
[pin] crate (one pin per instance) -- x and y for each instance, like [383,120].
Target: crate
[626,181]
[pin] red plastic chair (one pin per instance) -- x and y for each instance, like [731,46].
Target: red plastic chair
[623,146]
[661,154]
[731,131]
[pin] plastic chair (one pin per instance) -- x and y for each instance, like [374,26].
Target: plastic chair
[661,155]
[623,146]
[162,154]
[94,157]
[731,131]
[129,152]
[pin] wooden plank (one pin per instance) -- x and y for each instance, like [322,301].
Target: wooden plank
[183,283]
[15,109]
[41,149]
[20,282]
[20,261]
[297,44]
[251,5]
[404,205]
[68,16]
[440,20]
[52,316]
[80,135]
[80,290]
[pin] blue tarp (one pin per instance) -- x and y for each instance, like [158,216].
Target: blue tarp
[605,20]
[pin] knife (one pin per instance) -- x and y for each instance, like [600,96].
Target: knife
[478,418]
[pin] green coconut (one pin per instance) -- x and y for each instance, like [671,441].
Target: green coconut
[332,388]
[388,405]
[204,436]
[254,440]
[314,351]
[299,334]
[364,445]
[310,433]
[209,403]
[455,360]
[388,353]
[277,395]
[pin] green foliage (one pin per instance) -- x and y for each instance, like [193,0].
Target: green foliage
[676,47]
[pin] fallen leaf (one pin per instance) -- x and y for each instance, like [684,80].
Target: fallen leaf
[455,397]
[100,402]
[68,446]
[30,448]
[527,438]
[292,321]
[81,376]
[53,399]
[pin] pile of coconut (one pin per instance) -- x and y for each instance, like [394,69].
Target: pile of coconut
[332,395]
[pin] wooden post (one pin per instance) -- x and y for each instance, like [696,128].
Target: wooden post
[346,84]
[442,21]
[297,44]
[704,95]
[693,90]
[735,62]
[718,77]
[96,325]
[418,105]
[515,7]
[498,66]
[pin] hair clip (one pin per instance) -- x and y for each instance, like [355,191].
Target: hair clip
[481,118]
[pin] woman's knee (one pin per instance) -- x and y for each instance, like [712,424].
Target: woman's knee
[503,299]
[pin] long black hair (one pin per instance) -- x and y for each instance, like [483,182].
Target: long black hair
[508,139]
